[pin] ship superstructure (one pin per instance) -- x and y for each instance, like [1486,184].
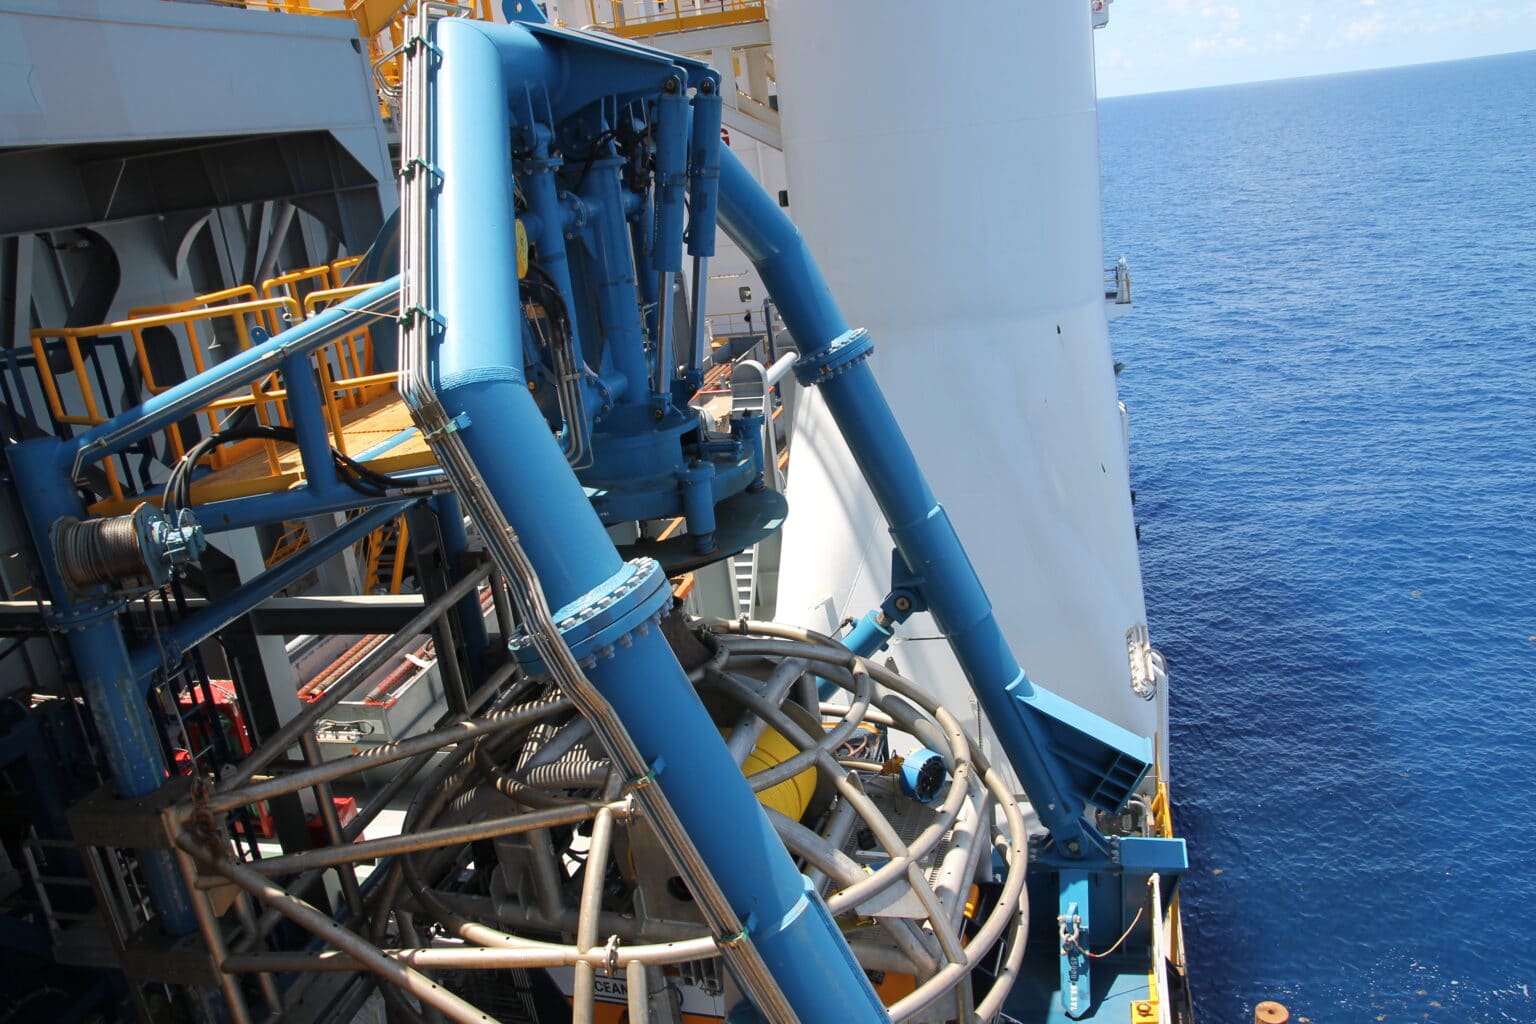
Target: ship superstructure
[397,532]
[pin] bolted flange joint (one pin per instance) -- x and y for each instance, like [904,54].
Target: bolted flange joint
[609,614]
[847,349]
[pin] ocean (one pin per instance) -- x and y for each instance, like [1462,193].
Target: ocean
[1329,372]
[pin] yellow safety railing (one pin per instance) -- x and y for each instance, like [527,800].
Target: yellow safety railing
[638,19]
[344,368]
[393,539]
[346,371]
[295,536]
[238,314]
[261,391]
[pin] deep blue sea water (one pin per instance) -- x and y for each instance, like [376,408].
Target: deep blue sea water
[1330,372]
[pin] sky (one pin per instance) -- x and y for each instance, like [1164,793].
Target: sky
[1158,45]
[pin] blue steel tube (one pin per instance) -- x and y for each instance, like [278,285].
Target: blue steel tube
[194,629]
[450,520]
[479,357]
[546,225]
[672,121]
[479,363]
[257,509]
[919,526]
[618,299]
[704,159]
[305,409]
[127,731]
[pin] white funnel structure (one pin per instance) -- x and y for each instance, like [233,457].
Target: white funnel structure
[943,165]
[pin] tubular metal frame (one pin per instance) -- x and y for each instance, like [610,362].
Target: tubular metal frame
[204,851]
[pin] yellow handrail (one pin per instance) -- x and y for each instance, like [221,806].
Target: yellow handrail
[344,368]
[652,19]
[135,326]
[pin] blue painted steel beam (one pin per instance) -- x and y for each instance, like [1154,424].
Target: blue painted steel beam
[1074,925]
[176,640]
[450,520]
[479,369]
[125,728]
[306,410]
[295,503]
[834,357]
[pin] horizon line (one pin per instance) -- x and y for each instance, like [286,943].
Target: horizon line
[1320,74]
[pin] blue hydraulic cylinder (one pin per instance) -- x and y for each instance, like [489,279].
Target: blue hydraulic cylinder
[479,370]
[547,231]
[834,357]
[869,634]
[672,122]
[124,726]
[259,509]
[618,297]
[704,147]
[697,485]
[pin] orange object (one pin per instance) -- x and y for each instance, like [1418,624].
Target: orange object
[1271,1012]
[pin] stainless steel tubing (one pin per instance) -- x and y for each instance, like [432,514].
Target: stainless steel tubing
[246,915]
[749,727]
[839,827]
[387,753]
[285,737]
[639,992]
[810,748]
[665,365]
[363,953]
[379,801]
[526,954]
[591,903]
[802,842]
[958,866]
[1010,914]
[628,928]
[696,333]
[1002,983]
[448,663]
[213,939]
[420,842]
[546,872]
[332,824]
[502,603]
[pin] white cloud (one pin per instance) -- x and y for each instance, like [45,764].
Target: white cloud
[1362,29]
[1219,45]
